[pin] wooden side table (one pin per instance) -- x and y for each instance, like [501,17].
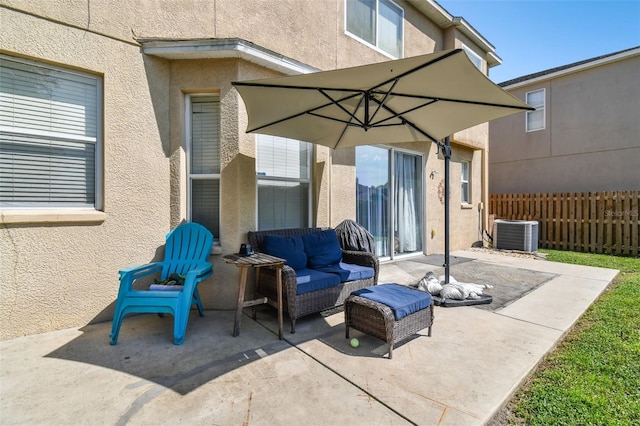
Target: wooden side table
[257,260]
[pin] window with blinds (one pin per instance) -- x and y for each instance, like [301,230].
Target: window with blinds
[464,183]
[204,162]
[49,136]
[283,178]
[536,119]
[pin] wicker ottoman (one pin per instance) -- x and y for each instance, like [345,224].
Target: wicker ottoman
[379,320]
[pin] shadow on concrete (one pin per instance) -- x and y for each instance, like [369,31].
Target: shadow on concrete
[145,347]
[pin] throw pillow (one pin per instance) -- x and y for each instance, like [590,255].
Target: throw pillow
[289,248]
[322,248]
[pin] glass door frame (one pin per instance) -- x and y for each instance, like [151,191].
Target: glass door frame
[391,207]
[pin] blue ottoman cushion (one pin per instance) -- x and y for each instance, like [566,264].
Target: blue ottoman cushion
[401,299]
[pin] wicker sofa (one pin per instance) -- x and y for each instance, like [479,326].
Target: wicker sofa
[298,304]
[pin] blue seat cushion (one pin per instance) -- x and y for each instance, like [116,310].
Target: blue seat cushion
[348,271]
[401,299]
[322,248]
[311,280]
[289,248]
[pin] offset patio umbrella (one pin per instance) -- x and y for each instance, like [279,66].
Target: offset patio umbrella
[427,97]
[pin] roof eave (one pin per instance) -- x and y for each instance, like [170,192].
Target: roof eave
[444,19]
[211,48]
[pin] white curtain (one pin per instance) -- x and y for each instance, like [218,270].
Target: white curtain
[406,211]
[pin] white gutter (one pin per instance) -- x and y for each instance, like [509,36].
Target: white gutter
[224,48]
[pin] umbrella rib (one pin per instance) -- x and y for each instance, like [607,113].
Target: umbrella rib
[349,123]
[353,117]
[462,101]
[311,111]
[339,105]
[399,114]
[386,96]
[411,124]
[419,67]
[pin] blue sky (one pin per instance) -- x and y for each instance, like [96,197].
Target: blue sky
[535,35]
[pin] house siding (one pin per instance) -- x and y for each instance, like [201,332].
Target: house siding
[60,269]
[590,141]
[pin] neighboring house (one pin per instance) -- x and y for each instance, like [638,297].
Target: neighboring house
[118,121]
[584,135]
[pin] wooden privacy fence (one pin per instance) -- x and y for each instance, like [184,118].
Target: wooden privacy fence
[595,222]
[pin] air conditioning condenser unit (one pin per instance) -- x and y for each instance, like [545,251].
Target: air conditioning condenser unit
[515,235]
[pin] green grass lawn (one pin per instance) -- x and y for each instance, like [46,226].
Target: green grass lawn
[593,377]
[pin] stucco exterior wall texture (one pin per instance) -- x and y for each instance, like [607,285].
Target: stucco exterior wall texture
[64,273]
[60,269]
[590,142]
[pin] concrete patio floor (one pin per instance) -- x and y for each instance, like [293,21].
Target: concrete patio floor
[476,358]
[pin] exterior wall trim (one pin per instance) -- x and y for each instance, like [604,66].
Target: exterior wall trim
[224,48]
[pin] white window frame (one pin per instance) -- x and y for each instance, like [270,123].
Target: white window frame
[465,194]
[61,136]
[473,56]
[376,46]
[539,108]
[261,176]
[198,176]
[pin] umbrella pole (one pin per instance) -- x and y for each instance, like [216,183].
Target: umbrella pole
[447,159]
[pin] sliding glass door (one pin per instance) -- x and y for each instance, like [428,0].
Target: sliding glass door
[389,193]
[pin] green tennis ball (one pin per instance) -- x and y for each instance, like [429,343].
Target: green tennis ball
[355,343]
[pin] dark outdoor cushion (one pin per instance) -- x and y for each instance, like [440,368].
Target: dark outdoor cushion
[289,248]
[311,280]
[348,271]
[402,300]
[322,248]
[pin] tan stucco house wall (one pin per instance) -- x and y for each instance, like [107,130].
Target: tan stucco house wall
[59,268]
[591,137]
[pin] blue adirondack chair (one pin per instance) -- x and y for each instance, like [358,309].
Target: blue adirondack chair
[187,249]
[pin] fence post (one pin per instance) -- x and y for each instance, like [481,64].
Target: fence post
[635,222]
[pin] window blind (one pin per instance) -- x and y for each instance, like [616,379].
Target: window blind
[281,157]
[464,180]
[205,204]
[204,163]
[283,204]
[283,169]
[205,133]
[535,119]
[48,136]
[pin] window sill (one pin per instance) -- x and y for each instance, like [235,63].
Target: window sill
[466,206]
[21,217]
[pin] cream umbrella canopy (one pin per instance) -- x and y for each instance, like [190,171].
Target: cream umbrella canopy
[427,97]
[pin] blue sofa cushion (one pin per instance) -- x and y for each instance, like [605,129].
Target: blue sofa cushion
[401,299]
[312,280]
[289,248]
[348,271]
[322,248]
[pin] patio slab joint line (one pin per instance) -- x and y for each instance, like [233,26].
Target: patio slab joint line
[352,383]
